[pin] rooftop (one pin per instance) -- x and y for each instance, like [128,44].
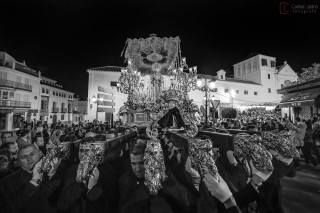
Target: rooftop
[106,69]
[7,60]
[253,55]
[240,81]
[211,77]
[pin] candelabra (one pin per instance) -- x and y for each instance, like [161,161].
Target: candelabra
[129,79]
[186,80]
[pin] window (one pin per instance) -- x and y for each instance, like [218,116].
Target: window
[90,106]
[43,90]
[11,96]
[221,76]
[237,91]
[268,76]
[62,117]
[62,107]
[5,95]
[113,83]
[47,91]
[44,103]
[53,93]
[215,90]
[255,93]
[269,90]
[281,86]
[264,62]
[246,92]
[226,90]
[273,64]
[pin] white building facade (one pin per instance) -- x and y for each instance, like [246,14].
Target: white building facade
[102,85]
[256,82]
[19,93]
[56,103]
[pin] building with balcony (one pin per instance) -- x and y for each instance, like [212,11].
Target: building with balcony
[256,81]
[56,103]
[19,92]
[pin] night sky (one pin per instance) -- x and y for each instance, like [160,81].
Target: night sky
[63,38]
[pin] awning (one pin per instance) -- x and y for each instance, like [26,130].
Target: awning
[301,98]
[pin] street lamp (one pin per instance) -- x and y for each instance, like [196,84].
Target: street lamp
[96,100]
[207,89]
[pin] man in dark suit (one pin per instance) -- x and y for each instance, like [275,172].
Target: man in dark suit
[28,189]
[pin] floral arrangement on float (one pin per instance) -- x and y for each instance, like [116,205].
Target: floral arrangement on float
[156,80]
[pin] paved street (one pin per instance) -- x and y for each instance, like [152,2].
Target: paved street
[302,193]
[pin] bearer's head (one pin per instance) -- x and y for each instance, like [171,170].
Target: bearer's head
[136,158]
[29,155]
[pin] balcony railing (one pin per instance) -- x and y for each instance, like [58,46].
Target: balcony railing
[64,110]
[55,110]
[23,86]
[10,103]
[15,85]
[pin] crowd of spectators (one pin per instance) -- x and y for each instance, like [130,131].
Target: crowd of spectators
[118,183]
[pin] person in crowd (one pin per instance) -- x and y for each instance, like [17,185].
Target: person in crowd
[45,134]
[12,148]
[39,142]
[24,138]
[127,130]
[272,188]
[135,197]
[54,131]
[112,133]
[98,194]
[309,145]
[4,166]
[142,139]
[28,189]
[135,129]
[6,137]
[299,131]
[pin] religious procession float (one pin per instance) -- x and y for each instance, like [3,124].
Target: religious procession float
[157,80]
